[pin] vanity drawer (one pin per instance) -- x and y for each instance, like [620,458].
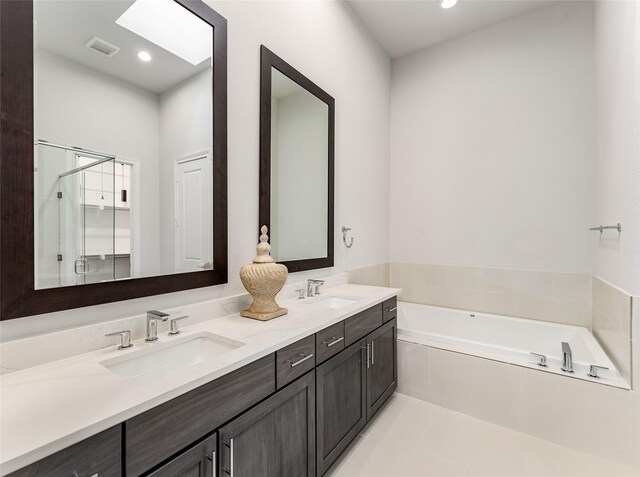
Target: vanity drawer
[161,432]
[295,360]
[362,324]
[329,342]
[98,455]
[390,309]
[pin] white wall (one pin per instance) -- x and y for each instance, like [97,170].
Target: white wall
[328,44]
[617,257]
[82,107]
[492,151]
[186,122]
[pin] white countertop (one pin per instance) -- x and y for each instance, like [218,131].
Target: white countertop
[47,408]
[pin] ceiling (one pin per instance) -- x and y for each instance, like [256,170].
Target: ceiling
[405,26]
[64,26]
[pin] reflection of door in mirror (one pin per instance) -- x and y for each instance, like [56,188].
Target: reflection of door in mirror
[193,213]
[299,171]
[111,82]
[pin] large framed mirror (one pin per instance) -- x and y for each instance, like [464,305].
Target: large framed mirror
[297,120]
[113,155]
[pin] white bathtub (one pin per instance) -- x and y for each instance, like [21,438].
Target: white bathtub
[506,339]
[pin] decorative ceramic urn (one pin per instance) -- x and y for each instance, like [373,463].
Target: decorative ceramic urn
[263,279]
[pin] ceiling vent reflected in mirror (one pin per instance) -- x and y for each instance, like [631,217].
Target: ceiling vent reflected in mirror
[103,47]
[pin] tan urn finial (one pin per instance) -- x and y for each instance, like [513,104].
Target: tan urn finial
[263,279]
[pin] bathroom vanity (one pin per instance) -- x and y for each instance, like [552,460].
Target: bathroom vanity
[290,409]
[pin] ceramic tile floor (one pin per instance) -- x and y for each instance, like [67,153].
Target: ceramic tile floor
[411,438]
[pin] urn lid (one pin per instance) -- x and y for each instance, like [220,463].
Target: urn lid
[263,248]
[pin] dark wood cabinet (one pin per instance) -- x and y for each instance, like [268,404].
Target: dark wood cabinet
[197,461]
[98,455]
[360,325]
[276,438]
[281,415]
[329,342]
[295,360]
[154,436]
[341,407]
[382,371]
[389,309]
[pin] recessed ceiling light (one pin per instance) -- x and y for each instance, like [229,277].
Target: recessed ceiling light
[144,56]
[170,26]
[448,3]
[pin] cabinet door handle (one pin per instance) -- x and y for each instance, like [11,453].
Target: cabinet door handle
[301,360]
[230,446]
[368,354]
[372,353]
[333,340]
[212,458]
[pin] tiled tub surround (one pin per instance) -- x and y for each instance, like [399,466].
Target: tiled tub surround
[547,296]
[565,298]
[612,324]
[506,339]
[603,421]
[48,407]
[374,275]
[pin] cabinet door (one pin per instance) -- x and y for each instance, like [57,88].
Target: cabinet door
[163,431]
[341,407]
[382,368]
[276,438]
[198,461]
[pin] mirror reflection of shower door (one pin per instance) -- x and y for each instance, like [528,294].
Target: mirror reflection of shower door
[95,260]
[83,216]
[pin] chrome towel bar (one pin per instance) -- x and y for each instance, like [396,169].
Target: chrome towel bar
[600,228]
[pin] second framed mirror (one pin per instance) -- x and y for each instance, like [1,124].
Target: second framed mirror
[297,121]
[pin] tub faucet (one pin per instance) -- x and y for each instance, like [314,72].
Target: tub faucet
[152,323]
[567,361]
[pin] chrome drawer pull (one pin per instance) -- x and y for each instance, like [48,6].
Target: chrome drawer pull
[389,310]
[301,360]
[333,340]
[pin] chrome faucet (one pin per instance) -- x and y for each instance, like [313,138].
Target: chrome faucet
[152,323]
[567,361]
[313,287]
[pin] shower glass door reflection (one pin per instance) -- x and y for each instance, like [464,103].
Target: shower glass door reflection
[88,220]
[83,213]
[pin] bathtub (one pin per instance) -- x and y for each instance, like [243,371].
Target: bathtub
[506,339]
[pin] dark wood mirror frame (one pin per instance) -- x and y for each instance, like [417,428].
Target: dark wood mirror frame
[18,296]
[268,60]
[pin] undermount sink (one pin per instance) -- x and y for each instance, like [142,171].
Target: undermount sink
[161,359]
[332,302]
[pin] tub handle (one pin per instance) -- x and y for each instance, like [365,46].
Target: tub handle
[542,359]
[593,370]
